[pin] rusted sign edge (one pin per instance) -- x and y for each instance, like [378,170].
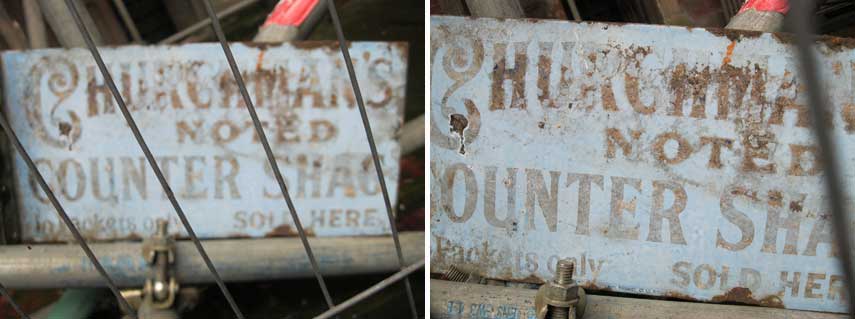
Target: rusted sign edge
[831,43]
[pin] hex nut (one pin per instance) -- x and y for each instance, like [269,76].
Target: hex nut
[559,295]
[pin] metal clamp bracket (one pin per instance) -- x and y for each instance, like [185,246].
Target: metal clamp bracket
[159,252]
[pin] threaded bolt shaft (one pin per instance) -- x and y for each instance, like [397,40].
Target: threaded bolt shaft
[454,274]
[564,272]
[559,313]
[162,226]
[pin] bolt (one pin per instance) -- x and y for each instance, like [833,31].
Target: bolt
[559,313]
[563,276]
[564,273]
[162,225]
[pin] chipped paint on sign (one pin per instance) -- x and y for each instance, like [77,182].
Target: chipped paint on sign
[189,109]
[664,160]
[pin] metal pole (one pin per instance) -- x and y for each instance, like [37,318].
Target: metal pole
[129,22]
[11,31]
[403,273]
[206,22]
[574,10]
[35,24]
[62,23]
[65,266]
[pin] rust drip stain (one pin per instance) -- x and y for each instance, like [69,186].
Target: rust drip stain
[729,53]
[260,60]
[285,230]
[741,295]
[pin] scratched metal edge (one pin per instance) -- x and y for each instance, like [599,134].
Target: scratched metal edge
[11,229]
[827,45]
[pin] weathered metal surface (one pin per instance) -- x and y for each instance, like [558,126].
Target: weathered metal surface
[453,300]
[189,109]
[666,161]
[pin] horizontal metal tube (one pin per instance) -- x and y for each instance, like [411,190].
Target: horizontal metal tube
[461,300]
[62,266]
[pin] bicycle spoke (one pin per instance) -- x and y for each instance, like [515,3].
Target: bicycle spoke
[803,27]
[271,159]
[5,293]
[402,274]
[7,128]
[365,123]
[150,157]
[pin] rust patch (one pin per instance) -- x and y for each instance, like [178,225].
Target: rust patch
[680,296]
[796,206]
[833,44]
[64,128]
[285,230]
[133,237]
[740,295]
[734,35]
[729,53]
[836,44]
[848,113]
[775,198]
[458,123]
[745,192]
[260,60]
[594,287]
[784,38]
[837,66]
[531,279]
